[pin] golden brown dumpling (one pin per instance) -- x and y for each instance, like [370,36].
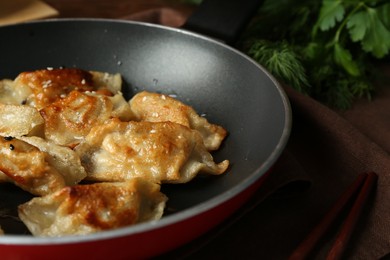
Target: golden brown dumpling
[62,158]
[154,107]
[84,209]
[28,167]
[40,88]
[48,85]
[69,120]
[158,151]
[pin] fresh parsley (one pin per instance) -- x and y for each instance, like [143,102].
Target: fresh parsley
[336,42]
[322,48]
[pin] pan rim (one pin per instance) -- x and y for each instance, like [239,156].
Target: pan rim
[192,211]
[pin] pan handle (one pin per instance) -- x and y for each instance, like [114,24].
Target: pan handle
[222,19]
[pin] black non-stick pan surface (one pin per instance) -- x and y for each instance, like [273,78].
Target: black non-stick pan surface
[221,83]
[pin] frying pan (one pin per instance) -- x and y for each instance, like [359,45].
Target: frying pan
[217,80]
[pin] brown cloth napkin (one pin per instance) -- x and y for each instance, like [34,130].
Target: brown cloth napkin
[329,148]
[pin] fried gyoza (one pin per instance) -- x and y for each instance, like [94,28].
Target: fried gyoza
[46,86]
[156,107]
[69,120]
[28,167]
[37,166]
[63,159]
[84,209]
[40,88]
[163,152]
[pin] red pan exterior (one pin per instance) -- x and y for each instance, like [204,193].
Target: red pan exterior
[142,245]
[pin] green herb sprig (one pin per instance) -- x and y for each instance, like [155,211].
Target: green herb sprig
[325,49]
[335,41]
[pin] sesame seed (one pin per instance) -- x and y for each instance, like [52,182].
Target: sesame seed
[46,83]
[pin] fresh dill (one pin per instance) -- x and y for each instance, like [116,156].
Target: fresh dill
[334,41]
[322,48]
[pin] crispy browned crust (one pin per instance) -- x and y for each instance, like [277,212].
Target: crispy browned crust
[28,167]
[72,117]
[84,209]
[69,120]
[154,107]
[49,85]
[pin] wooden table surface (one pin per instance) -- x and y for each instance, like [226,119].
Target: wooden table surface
[112,8]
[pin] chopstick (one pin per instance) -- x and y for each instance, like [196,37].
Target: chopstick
[363,185]
[351,220]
